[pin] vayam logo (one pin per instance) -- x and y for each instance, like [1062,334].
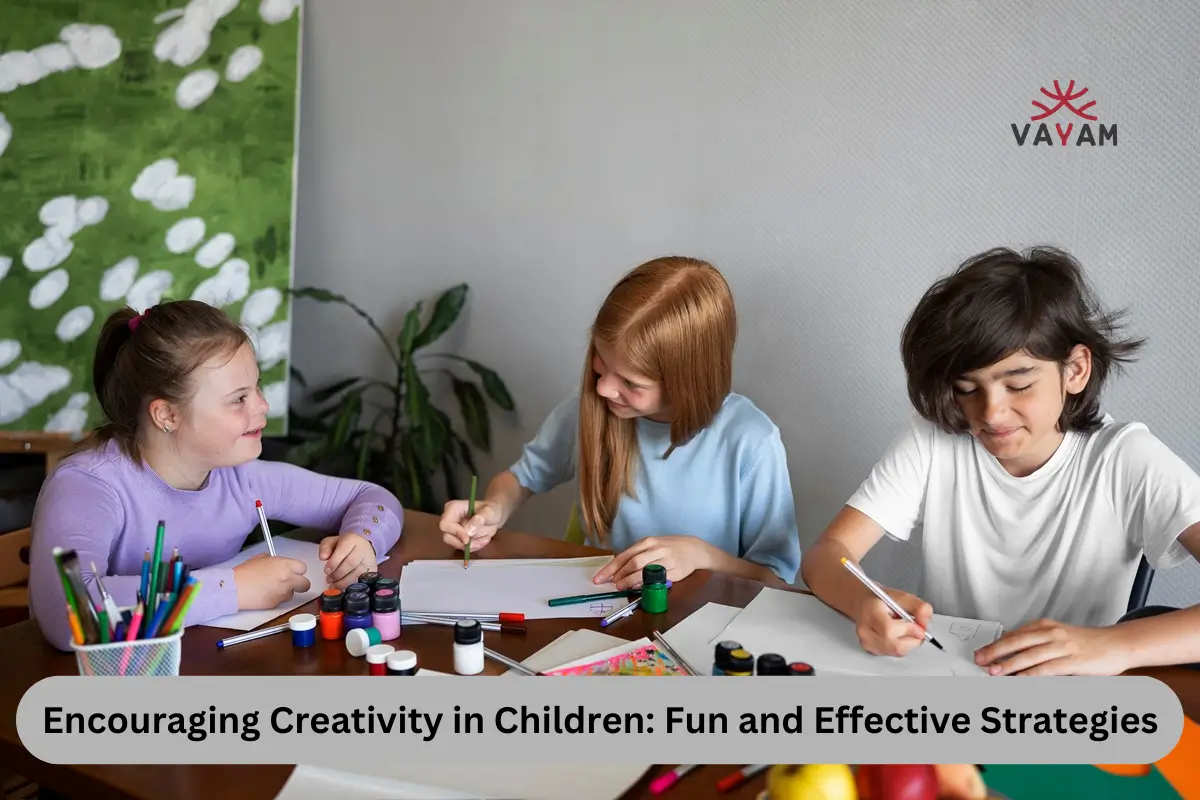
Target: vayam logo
[1075,121]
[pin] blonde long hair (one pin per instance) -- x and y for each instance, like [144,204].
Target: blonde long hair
[673,320]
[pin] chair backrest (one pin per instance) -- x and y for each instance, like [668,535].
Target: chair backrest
[1140,592]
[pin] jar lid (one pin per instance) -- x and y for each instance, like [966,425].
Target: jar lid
[384,601]
[331,600]
[654,574]
[377,654]
[800,668]
[772,664]
[467,631]
[302,622]
[358,587]
[357,602]
[402,660]
[368,578]
[359,640]
[741,661]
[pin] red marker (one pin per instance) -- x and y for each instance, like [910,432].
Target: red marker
[664,782]
[731,782]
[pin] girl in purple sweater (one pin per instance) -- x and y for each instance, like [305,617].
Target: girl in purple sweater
[179,386]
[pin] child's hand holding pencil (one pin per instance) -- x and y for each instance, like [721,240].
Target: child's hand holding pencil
[469,526]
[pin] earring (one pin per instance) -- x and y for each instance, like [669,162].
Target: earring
[166,428]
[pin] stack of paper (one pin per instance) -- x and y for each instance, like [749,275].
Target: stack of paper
[518,586]
[800,627]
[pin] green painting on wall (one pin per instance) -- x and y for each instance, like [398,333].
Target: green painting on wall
[147,153]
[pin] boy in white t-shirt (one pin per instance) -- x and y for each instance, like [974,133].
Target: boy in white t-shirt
[1033,507]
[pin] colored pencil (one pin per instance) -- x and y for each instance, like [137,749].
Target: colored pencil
[152,591]
[470,513]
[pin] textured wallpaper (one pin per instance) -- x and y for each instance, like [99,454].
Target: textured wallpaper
[832,158]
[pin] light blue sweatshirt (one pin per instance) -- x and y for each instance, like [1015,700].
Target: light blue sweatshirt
[728,486]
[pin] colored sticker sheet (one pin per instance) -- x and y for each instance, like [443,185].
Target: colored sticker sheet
[643,661]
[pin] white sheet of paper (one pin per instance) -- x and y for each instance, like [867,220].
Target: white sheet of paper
[693,637]
[308,552]
[458,782]
[524,589]
[483,563]
[568,647]
[801,628]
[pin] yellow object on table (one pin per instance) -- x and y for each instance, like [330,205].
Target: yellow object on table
[811,782]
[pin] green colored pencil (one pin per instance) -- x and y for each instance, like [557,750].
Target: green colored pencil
[470,513]
[152,597]
[584,598]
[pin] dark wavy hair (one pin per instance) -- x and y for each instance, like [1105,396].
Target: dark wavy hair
[1001,302]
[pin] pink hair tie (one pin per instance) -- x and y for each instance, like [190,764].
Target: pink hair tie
[133,323]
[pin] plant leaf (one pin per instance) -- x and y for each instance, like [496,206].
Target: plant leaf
[474,413]
[412,324]
[493,385]
[449,468]
[326,296]
[445,312]
[298,375]
[327,392]
[366,447]
[464,450]
[344,427]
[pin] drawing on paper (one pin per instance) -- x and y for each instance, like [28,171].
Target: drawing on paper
[644,661]
[601,609]
[964,630]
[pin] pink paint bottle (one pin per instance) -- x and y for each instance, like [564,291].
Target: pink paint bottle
[385,606]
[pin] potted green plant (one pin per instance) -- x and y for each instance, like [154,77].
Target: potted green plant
[390,431]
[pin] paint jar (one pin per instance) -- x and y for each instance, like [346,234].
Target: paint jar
[369,578]
[386,616]
[330,605]
[357,610]
[802,669]
[360,640]
[402,662]
[468,647]
[304,630]
[388,583]
[654,589]
[377,656]
[740,663]
[721,656]
[355,588]
[771,664]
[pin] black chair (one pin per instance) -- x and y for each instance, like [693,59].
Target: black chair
[1141,586]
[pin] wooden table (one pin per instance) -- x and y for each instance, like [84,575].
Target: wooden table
[28,659]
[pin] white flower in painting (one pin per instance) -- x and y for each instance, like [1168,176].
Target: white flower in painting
[5,264]
[176,194]
[5,132]
[196,87]
[242,62]
[260,307]
[47,252]
[72,417]
[91,211]
[184,42]
[46,292]
[18,68]
[117,279]
[149,289]
[94,46]
[273,344]
[9,350]
[275,11]
[185,234]
[74,323]
[59,214]
[229,285]
[152,178]
[276,395]
[37,381]
[12,405]
[55,57]
[215,250]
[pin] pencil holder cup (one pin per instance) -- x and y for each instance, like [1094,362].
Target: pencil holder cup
[139,658]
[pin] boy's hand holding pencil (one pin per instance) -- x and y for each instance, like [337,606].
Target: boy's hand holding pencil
[881,630]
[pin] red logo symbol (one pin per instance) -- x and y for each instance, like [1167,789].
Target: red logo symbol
[1064,99]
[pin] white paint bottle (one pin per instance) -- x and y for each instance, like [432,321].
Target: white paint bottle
[468,647]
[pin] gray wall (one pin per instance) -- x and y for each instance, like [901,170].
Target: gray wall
[831,158]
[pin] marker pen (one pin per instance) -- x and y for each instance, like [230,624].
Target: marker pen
[386,616]
[357,610]
[330,606]
[377,656]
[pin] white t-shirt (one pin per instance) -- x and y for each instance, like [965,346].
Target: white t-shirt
[1063,543]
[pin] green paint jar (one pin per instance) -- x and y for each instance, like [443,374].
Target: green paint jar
[654,589]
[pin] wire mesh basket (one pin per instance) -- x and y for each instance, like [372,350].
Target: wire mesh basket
[137,658]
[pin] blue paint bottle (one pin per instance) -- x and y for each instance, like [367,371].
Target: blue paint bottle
[356,608]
